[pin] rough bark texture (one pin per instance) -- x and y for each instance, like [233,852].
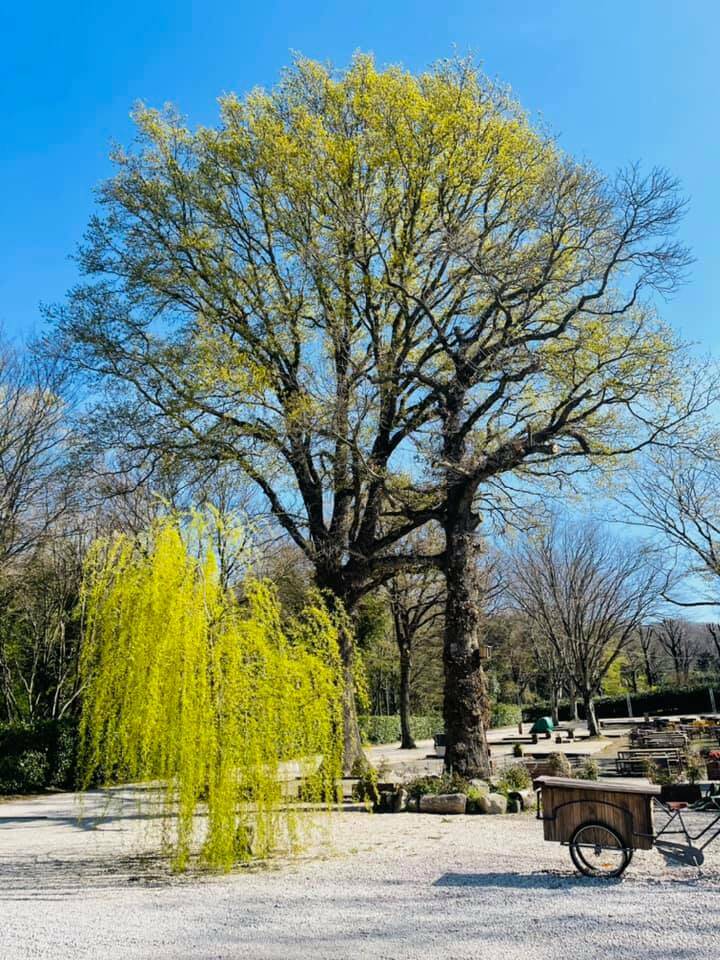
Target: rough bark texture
[590,718]
[406,738]
[465,705]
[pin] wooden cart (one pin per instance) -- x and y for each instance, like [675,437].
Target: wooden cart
[601,823]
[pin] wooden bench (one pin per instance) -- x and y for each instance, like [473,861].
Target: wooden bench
[633,763]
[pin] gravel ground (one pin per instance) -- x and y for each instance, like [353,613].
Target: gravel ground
[398,886]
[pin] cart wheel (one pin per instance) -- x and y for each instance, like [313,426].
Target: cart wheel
[598,850]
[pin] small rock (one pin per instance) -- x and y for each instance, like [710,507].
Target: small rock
[443,803]
[493,803]
[400,800]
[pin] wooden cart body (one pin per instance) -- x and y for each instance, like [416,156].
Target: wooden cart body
[565,804]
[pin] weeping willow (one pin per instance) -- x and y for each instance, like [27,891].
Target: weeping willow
[210,696]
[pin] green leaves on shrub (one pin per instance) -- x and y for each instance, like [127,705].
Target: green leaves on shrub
[34,756]
[379,729]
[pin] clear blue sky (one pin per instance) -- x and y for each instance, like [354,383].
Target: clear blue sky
[617,81]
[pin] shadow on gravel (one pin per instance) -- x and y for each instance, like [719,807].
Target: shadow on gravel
[524,881]
[51,879]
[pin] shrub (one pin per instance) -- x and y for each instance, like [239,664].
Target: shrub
[656,775]
[386,729]
[518,750]
[366,789]
[559,765]
[505,715]
[695,768]
[34,756]
[432,786]
[514,777]
[589,770]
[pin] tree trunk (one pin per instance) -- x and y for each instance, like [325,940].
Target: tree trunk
[406,737]
[590,718]
[554,706]
[353,753]
[465,706]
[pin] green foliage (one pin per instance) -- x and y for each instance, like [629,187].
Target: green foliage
[379,729]
[433,786]
[559,765]
[658,775]
[186,686]
[695,767]
[34,756]
[589,770]
[514,777]
[505,715]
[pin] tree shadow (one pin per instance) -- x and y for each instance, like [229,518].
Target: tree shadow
[544,880]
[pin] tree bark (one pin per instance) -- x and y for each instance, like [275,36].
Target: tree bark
[353,753]
[406,738]
[590,717]
[465,706]
[554,706]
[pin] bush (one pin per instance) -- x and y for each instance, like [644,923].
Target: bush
[432,786]
[505,715]
[589,770]
[386,729]
[38,755]
[518,750]
[559,765]
[514,777]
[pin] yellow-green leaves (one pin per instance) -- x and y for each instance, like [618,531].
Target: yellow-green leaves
[186,686]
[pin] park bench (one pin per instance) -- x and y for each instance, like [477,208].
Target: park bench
[632,763]
[660,741]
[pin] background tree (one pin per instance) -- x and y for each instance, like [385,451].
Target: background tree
[417,607]
[677,494]
[678,644]
[587,594]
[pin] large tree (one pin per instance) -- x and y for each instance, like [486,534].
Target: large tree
[353,267]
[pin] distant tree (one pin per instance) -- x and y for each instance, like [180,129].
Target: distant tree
[417,606]
[677,493]
[678,643]
[34,452]
[586,594]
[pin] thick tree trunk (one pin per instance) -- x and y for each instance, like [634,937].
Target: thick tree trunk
[406,737]
[353,753]
[465,707]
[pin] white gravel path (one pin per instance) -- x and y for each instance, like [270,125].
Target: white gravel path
[394,886]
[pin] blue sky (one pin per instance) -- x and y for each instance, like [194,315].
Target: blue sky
[616,81]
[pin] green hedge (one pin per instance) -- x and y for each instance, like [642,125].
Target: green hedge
[669,700]
[38,755]
[505,715]
[379,729]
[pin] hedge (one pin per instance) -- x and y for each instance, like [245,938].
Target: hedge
[670,700]
[386,729]
[35,756]
[505,715]
[381,729]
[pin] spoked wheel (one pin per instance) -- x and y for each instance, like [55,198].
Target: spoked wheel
[598,850]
